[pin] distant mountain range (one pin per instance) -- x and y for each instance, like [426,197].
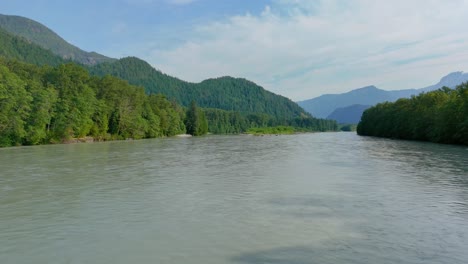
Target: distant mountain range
[29,41]
[41,35]
[324,105]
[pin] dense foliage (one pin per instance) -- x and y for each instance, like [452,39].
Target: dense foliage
[14,47]
[45,105]
[232,122]
[226,122]
[44,37]
[440,116]
[225,93]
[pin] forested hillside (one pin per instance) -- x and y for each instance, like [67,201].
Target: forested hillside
[440,116]
[13,47]
[44,37]
[227,93]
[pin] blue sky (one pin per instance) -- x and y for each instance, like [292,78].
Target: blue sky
[297,48]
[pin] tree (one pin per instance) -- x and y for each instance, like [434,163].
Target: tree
[191,119]
[14,108]
[195,121]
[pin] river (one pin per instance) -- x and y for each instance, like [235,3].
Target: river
[310,198]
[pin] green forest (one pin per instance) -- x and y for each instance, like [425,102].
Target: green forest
[440,116]
[40,105]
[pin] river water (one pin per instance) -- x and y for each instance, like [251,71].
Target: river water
[309,198]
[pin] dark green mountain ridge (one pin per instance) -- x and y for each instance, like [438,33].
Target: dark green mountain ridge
[227,93]
[48,39]
[18,48]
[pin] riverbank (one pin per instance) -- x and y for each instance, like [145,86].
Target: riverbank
[279,130]
[93,140]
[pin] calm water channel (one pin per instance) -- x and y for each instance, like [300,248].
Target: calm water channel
[312,198]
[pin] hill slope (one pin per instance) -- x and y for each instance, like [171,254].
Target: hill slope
[47,39]
[324,105]
[227,93]
[18,48]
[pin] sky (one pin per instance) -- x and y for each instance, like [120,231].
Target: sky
[297,48]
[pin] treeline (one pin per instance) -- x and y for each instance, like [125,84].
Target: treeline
[440,116]
[279,130]
[40,105]
[234,122]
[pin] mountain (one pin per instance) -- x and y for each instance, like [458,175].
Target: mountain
[47,39]
[324,105]
[18,48]
[227,93]
[348,115]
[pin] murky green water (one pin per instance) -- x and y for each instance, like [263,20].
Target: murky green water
[312,198]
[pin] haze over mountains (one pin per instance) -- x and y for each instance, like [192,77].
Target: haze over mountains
[324,105]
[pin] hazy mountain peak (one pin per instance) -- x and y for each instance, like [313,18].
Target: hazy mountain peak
[454,78]
[366,88]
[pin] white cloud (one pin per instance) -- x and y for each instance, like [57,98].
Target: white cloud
[302,49]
